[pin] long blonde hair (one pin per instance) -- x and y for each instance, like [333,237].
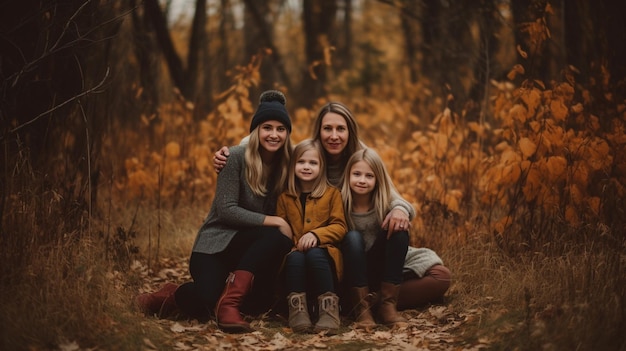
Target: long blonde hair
[381,195]
[321,183]
[258,175]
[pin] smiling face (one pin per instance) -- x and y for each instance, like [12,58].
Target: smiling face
[307,167]
[362,178]
[272,136]
[334,134]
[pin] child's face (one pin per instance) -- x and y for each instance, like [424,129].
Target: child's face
[362,178]
[308,166]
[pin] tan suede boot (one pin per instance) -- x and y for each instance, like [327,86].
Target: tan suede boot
[299,319]
[388,305]
[328,313]
[362,301]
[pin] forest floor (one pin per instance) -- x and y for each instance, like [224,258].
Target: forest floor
[436,327]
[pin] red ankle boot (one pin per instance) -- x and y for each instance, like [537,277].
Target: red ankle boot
[229,318]
[160,303]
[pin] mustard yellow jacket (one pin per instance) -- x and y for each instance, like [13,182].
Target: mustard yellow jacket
[323,216]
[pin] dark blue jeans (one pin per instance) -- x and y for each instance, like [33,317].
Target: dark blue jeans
[312,271]
[257,250]
[382,263]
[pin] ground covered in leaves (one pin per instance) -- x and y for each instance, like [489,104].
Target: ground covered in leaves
[430,328]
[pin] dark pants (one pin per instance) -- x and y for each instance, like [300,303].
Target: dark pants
[312,271]
[361,269]
[384,261]
[258,250]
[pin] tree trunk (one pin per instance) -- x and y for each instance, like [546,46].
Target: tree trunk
[174,63]
[225,25]
[197,41]
[486,67]
[447,48]
[148,63]
[266,41]
[410,30]
[318,20]
[345,50]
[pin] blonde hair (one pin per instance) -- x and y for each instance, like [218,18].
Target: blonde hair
[321,183]
[258,175]
[354,143]
[381,195]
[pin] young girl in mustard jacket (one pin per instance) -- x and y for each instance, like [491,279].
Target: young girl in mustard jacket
[314,210]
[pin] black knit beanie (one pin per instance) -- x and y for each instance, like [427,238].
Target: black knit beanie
[271,108]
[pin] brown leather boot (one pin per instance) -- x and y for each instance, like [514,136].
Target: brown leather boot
[299,319]
[362,301]
[328,313]
[388,305]
[160,303]
[229,318]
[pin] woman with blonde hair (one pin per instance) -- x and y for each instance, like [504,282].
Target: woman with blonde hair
[240,247]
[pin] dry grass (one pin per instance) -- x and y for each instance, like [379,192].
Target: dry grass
[563,296]
[542,283]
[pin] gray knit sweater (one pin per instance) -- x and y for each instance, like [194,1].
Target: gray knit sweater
[235,206]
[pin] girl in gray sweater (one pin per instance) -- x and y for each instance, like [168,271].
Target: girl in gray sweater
[381,260]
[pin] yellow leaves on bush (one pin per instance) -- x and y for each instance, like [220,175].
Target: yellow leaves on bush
[139,182]
[580,174]
[549,199]
[571,215]
[510,174]
[532,186]
[575,195]
[245,105]
[452,199]
[301,124]
[517,113]
[500,147]
[527,147]
[596,153]
[439,144]
[532,99]
[503,224]
[566,91]
[558,109]
[479,129]
[591,123]
[556,167]
[593,203]
[172,150]
[552,138]
[577,108]
[509,156]
[444,122]
[517,69]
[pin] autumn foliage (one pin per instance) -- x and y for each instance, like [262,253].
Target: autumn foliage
[523,198]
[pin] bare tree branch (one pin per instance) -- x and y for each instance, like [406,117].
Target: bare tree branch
[73,98]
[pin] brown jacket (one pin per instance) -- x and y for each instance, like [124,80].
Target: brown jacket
[324,216]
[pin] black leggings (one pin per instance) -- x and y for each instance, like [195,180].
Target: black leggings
[257,250]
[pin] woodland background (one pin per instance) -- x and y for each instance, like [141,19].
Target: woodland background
[503,122]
